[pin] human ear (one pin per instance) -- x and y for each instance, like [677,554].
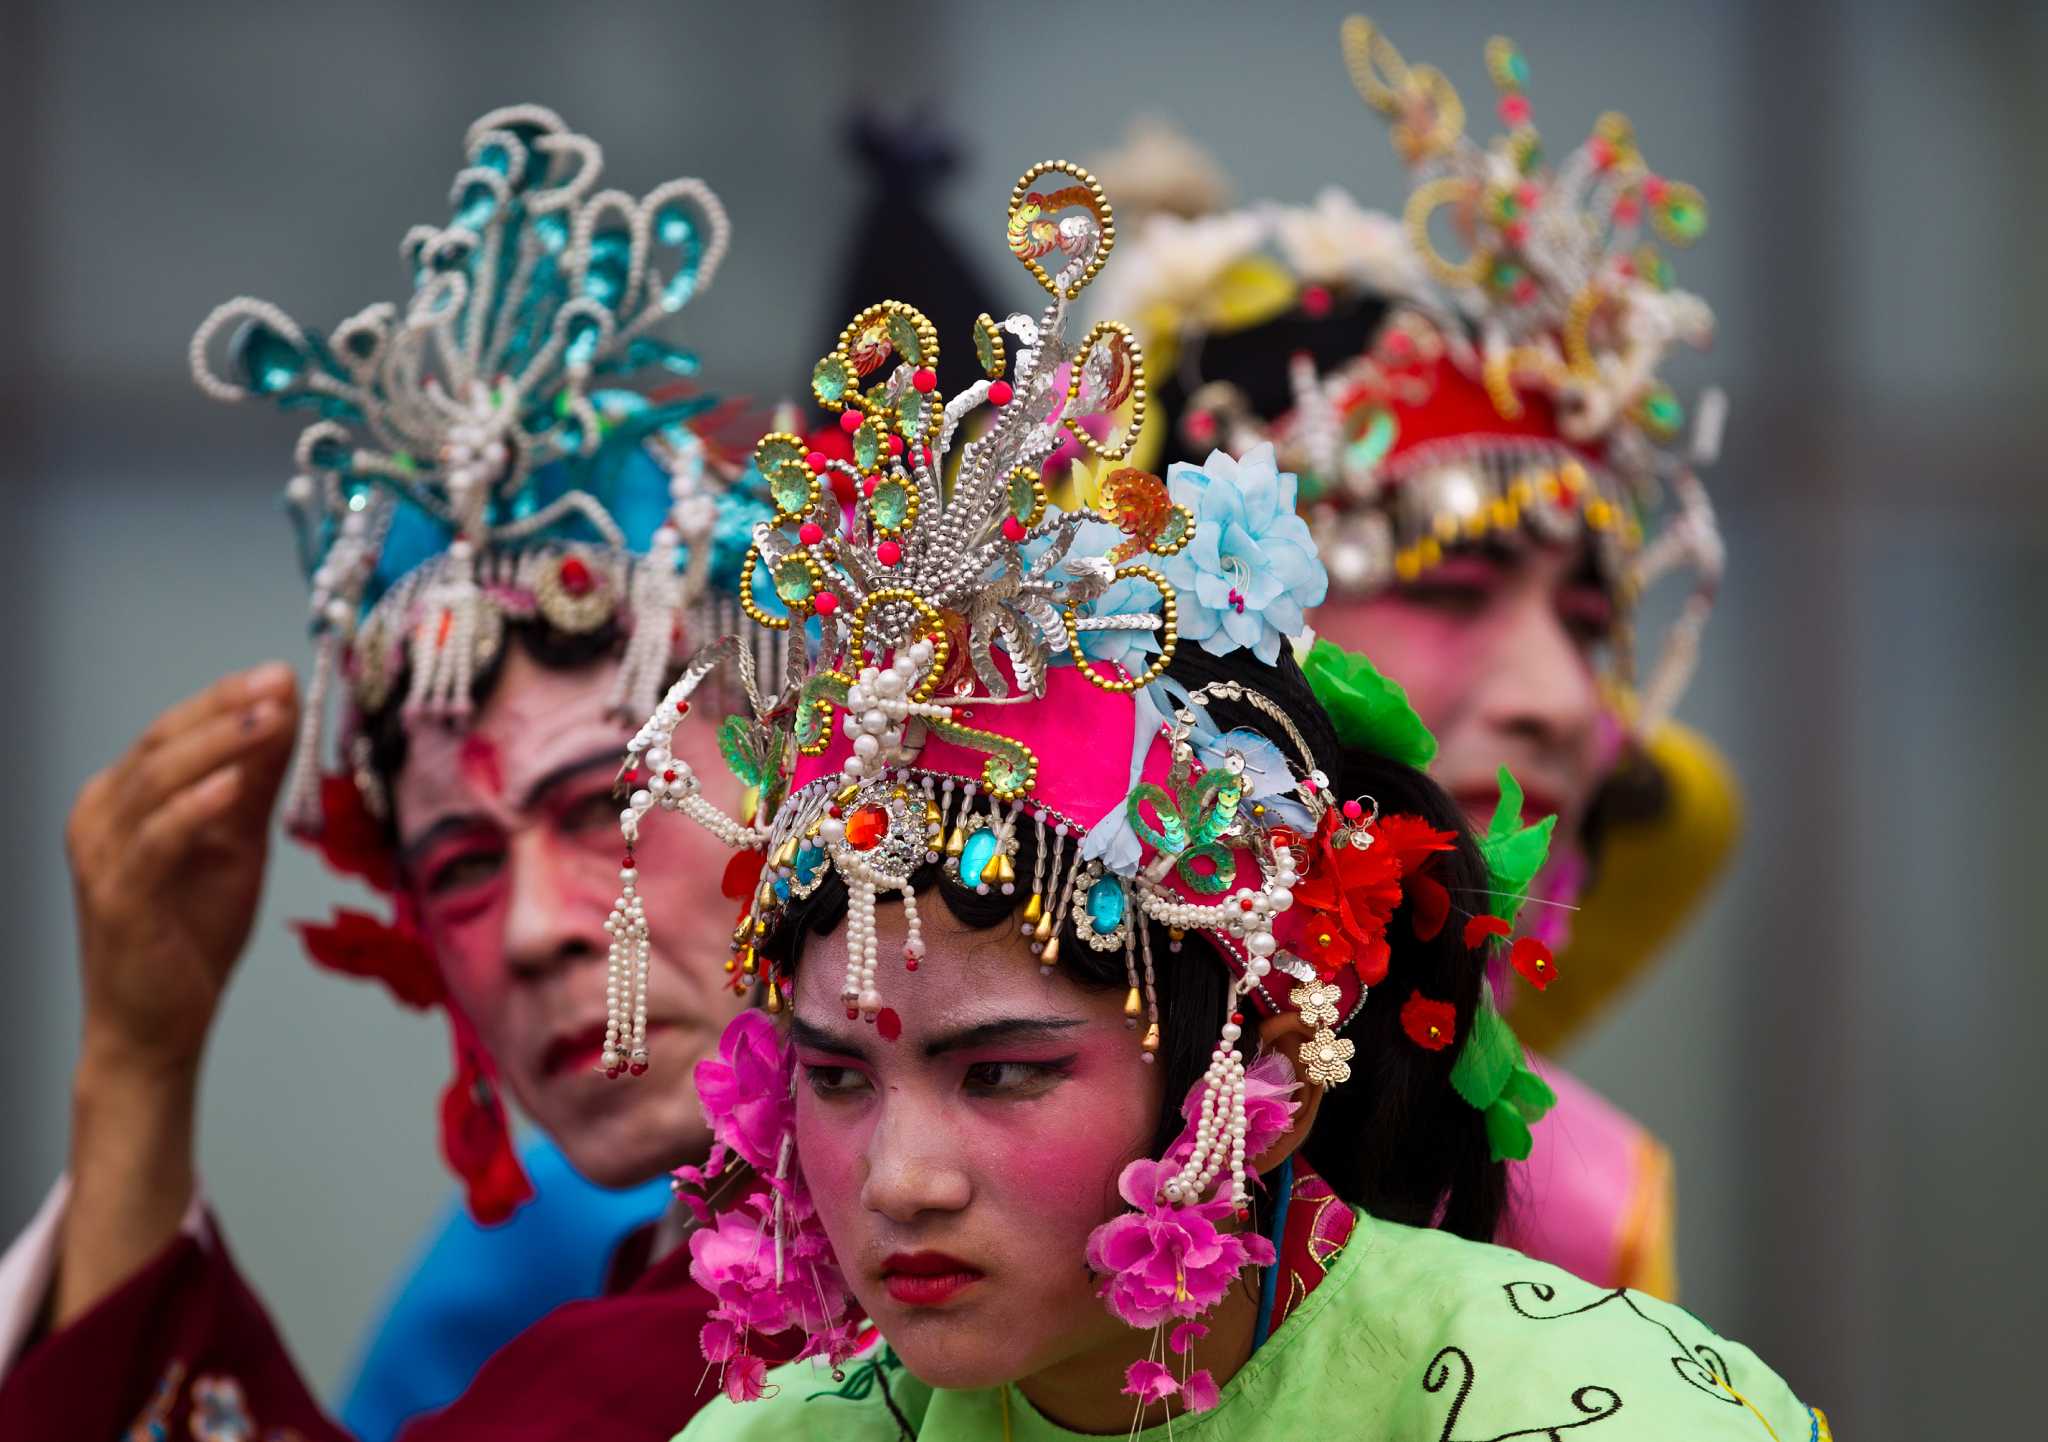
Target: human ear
[1286,1034]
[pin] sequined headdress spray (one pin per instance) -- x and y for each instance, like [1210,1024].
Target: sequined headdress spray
[1483,365]
[975,662]
[512,442]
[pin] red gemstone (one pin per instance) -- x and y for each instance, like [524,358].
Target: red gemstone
[999,393]
[910,963]
[575,577]
[866,827]
[924,381]
[682,708]
[668,775]
[1237,1018]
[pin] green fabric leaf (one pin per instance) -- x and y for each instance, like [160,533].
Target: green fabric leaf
[1514,853]
[1507,1134]
[1489,1057]
[1369,711]
[1528,1094]
[740,745]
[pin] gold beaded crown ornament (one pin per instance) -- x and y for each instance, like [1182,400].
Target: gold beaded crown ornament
[976,661]
[1483,366]
[513,443]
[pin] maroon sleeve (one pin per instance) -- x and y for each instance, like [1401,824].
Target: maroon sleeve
[624,1368]
[181,1352]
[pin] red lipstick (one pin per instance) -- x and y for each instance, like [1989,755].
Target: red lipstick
[927,1279]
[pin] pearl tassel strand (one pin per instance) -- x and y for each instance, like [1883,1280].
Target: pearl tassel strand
[625,990]
[1219,1128]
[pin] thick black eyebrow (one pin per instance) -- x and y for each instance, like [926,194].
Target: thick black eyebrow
[567,771]
[1016,1028]
[816,1038]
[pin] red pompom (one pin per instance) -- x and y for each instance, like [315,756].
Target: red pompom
[999,393]
[741,872]
[475,1137]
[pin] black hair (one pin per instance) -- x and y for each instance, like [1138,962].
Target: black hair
[1395,1139]
[1255,359]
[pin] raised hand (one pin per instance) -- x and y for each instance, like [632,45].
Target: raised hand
[167,850]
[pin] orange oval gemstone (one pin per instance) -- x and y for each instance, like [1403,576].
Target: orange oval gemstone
[866,826]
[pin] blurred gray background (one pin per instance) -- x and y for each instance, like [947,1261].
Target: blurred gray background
[1843,1052]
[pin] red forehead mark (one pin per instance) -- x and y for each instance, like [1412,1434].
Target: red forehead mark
[480,766]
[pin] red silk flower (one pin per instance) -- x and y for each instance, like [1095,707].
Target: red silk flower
[1479,928]
[1431,1025]
[357,944]
[351,840]
[1534,961]
[1348,894]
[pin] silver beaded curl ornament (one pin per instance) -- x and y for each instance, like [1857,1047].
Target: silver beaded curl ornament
[469,461]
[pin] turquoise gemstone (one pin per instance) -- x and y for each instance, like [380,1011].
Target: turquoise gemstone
[1106,905]
[478,205]
[584,337]
[975,856]
[808,860]
[611,260]
[269,361]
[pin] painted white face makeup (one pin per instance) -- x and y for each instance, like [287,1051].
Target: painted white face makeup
[509,836]
[959,1169]
[1499,653]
